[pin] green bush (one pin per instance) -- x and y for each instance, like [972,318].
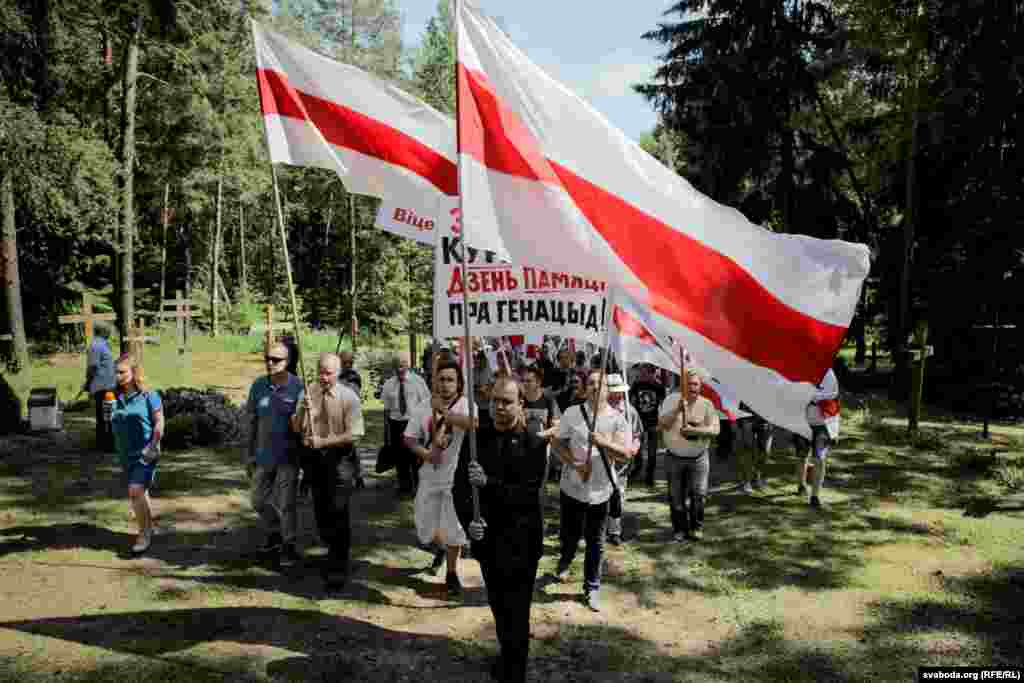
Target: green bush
[179,432]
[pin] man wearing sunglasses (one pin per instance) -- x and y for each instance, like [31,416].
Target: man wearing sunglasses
[273,455]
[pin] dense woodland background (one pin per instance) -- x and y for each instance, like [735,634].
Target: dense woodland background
[888,122]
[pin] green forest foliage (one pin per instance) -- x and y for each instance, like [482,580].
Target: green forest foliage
[896,124]
[857,119]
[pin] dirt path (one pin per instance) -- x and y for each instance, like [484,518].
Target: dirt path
[198,606]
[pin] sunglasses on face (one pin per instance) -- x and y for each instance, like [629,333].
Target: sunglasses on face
[274,359]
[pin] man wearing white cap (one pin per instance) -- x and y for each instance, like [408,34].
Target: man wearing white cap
[618,398]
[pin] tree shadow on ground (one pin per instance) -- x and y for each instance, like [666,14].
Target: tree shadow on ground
[337,648]
[772,539]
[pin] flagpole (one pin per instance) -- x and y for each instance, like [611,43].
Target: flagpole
[288,272]
[468,352]
[603,380]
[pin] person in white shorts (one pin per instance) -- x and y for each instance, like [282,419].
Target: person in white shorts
[435,435]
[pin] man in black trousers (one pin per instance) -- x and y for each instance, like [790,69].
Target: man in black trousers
[329,430]
[508,539]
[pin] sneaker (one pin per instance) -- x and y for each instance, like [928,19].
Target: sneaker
[696,535]
[143,542]
[439,559]
[272,544]
[801,489]
[562,573]
[679,537]
[759,483]
[615,539]
[289,556]
[747,488]
[453,584]
[592,599]
[815,502]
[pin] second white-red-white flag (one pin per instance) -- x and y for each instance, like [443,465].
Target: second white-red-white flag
[551,182]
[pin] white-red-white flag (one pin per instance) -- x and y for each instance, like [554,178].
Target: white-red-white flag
[382,141]
[632,343]
[547,180]
[725,402]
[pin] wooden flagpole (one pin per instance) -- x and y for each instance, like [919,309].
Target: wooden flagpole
[468,352]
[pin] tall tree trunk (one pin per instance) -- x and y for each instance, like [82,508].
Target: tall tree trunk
[163,249]
[910,212]
[131,71]
[216,252]
[786,179]
[243,285]
[12,278]
[41,28]
[352,270]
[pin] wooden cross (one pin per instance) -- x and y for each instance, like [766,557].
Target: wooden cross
[87,317]
[917,357]
[182,314]
[137,340]
[269,327]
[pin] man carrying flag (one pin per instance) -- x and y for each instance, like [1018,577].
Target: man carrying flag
[689,422]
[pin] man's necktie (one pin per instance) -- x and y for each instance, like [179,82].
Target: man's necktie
[324,418]
[402,404]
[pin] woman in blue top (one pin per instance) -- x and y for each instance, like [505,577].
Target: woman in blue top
[138,425]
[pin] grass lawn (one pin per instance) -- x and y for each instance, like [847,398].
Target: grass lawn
[916,560]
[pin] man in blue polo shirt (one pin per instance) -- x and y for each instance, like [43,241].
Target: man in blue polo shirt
[273,453]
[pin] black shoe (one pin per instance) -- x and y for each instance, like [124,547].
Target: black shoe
[439,559]
[334,578]
[497,669]
[453,584]
[289,557]
[272,544]
[649,481]
[815,502]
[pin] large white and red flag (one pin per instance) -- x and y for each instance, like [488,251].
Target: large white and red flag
[547,180]
[632,343]
[382,141]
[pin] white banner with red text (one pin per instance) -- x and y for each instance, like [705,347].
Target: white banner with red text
[507,299]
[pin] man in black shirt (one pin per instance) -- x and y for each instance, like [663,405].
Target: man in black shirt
[542,413]
[647,395]
[575,392]
[509,538]
[556,379]
[348,374]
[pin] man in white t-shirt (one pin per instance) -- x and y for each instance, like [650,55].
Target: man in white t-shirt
[823,417]
[688,422]
[435,435]
[618,398]
[588,479]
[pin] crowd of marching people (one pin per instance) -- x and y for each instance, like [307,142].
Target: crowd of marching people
[557,416]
